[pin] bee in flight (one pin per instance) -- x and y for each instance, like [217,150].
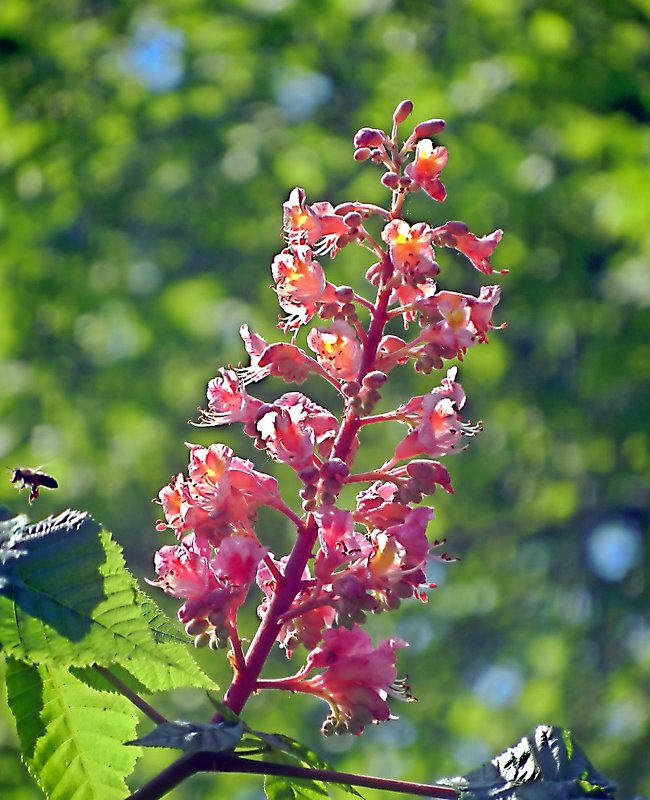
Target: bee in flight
[34,479]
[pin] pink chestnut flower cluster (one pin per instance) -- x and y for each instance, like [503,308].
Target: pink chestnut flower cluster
[345,563]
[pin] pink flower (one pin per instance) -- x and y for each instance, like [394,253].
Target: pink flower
[453,332]
[481,309]
[236,560]
[228,401]
[283,360]
[377,506]
[410,249]
[286,440]
[456,234]
[183,572]
[171,499]
[300,284]
[213,586]
[339,542]
[314,225]
[223,491]
[292,427]
[337,349]
[426,168]
[356,678]
[436,427]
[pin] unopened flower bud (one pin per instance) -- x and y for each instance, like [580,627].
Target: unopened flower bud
[405,182]
[344,294]
[202,640]
[371,398]
[362,153]
[353,220]
[349,310]
[422,469]
[309,505]
[390,180]
[335,468]
[327,499]
[356,404]
[307,493]
[456,228]
[428,128]
[327,310]
[375,379]
[402,111]
[309,475]
[369,137]
[409,495]
[196,626]
[377,156]
[216,618]
[330,485]
[351,388]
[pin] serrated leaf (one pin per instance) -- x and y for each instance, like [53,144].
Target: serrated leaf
[66,597]
[25,698]
[277,787]
[193,737]
[547,765]
[72,736]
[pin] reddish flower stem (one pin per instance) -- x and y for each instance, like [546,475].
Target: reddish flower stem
[245,682]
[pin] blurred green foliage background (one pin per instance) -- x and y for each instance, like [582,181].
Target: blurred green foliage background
[145,151]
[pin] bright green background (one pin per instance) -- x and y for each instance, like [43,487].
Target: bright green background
[145,152]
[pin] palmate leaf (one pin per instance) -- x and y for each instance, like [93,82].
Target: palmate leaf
[72,736]
[67,598]
[547,765]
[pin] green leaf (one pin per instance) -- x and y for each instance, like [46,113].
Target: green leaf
[217,737]
[547,765]
[25,697]
[66,597]
[277,787]
[72,736]
[287,751]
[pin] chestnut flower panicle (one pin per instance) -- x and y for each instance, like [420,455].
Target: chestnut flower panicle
[342,563]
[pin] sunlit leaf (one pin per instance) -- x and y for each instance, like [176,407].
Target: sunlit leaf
[72,736]
[66,597]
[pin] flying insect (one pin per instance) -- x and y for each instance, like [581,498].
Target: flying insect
[34,479]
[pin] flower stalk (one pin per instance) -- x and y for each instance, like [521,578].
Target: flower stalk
[344,563]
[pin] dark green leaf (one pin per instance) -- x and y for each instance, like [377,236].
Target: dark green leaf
[66,597]
[547,765]
[194,737]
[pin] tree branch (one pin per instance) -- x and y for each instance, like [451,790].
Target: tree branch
[192,763]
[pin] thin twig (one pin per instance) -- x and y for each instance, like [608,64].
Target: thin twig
[135,698]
